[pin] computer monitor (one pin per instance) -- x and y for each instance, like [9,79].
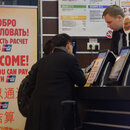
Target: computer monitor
[119,65]
[99,65]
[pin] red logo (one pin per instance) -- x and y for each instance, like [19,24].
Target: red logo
[109,34]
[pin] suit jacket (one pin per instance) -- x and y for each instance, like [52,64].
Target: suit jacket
[115,40]
[57,74]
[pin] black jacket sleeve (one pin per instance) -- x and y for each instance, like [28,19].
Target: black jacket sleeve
[76,73]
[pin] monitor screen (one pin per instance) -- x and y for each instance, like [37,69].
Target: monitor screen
[119,64]
[102,55]
[124,51]
[96,69]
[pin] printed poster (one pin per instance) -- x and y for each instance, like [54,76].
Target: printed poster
[18,51]
[83,17]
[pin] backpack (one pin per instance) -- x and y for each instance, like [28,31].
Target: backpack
[26,88]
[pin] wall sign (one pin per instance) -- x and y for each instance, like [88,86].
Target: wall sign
[84,17]
[18,51]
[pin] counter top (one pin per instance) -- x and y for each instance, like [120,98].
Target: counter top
[103,93]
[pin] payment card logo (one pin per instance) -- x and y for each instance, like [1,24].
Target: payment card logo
[6,48]
[4,105]
[11,79]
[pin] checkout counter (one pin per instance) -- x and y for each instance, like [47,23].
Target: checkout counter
[105,104]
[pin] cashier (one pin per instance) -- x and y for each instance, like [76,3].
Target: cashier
[114,16]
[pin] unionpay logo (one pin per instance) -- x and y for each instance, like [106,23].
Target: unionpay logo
[4,105]
[11,79]
[6,48]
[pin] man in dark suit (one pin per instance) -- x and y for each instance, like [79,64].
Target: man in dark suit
[57,74]
[114,16]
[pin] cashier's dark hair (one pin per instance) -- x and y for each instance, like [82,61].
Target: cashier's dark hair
[61,40]
[113,11]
